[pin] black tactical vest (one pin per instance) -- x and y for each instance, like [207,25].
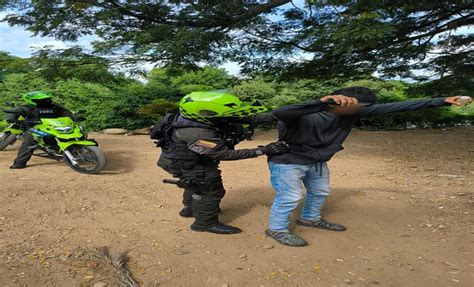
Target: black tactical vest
[176,149]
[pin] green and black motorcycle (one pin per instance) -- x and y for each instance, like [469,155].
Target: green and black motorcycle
[10,135]
[62,138]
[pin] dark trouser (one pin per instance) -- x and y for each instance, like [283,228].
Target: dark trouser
[188,195]
[206,201]
[203,191]
[26,150]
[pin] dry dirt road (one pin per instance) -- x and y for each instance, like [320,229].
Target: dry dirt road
[406,198]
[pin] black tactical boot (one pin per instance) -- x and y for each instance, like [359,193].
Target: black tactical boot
[323,224]
[17,166]
[217,228]
[187,211]
[286,238]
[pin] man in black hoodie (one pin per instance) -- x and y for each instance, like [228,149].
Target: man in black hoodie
[315,131]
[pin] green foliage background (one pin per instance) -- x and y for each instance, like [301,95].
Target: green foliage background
[115,100]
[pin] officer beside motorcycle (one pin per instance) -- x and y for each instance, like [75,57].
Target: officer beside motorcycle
[38,105]
[195,140]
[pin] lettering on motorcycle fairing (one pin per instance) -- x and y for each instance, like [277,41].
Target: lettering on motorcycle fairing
[46,111]
[38,132]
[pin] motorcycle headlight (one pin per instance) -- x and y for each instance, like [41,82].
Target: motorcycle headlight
[64,129]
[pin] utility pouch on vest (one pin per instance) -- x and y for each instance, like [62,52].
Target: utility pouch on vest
[161,130]
[181,152]
[191,170]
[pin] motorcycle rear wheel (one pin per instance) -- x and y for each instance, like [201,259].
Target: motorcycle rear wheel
[85,159]
[6,139]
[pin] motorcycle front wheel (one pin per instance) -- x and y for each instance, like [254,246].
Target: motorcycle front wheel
[6,139]
[85,159]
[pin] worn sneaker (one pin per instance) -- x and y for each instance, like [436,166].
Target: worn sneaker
[286,238]
[323,224]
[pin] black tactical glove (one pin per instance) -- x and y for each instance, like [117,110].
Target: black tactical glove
[274,148]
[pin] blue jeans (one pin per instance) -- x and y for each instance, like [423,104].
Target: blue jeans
[286,179]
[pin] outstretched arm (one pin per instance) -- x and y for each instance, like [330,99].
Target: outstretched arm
[290,113]
[409,105]
[260,118]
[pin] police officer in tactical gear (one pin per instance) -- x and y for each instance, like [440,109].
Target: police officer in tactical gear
[38,105]
[204,132]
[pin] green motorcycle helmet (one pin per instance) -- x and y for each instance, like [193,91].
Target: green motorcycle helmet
[32,97]
[204,106]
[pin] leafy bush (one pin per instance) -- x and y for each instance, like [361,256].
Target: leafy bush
[113,100]
[257,89]
[386,91]
[3,124]
[155,110]
[208,78]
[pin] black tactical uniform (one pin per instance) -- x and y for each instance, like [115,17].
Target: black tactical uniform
[32,114]
[193,155]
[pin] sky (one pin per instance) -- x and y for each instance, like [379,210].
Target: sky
[19,42]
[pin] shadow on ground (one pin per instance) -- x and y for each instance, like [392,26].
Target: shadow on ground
[118,162]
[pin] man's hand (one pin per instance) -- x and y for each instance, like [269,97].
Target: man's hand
[340,100]
[274,148]
[458,100]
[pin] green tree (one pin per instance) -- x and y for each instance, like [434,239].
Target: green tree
[323,39]
[72,63]
[159,84]
[97,100]
[386,91]
[205,79]
[12,65]
[14,85]
[257,88]
[158,108]
[178,32]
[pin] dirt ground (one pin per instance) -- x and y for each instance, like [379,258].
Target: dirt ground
[406,198]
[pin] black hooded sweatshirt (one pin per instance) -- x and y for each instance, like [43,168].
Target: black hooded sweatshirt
[314,134]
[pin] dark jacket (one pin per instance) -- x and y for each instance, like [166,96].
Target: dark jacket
[196,149]
[222,150]
[32,113]
[314,134]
